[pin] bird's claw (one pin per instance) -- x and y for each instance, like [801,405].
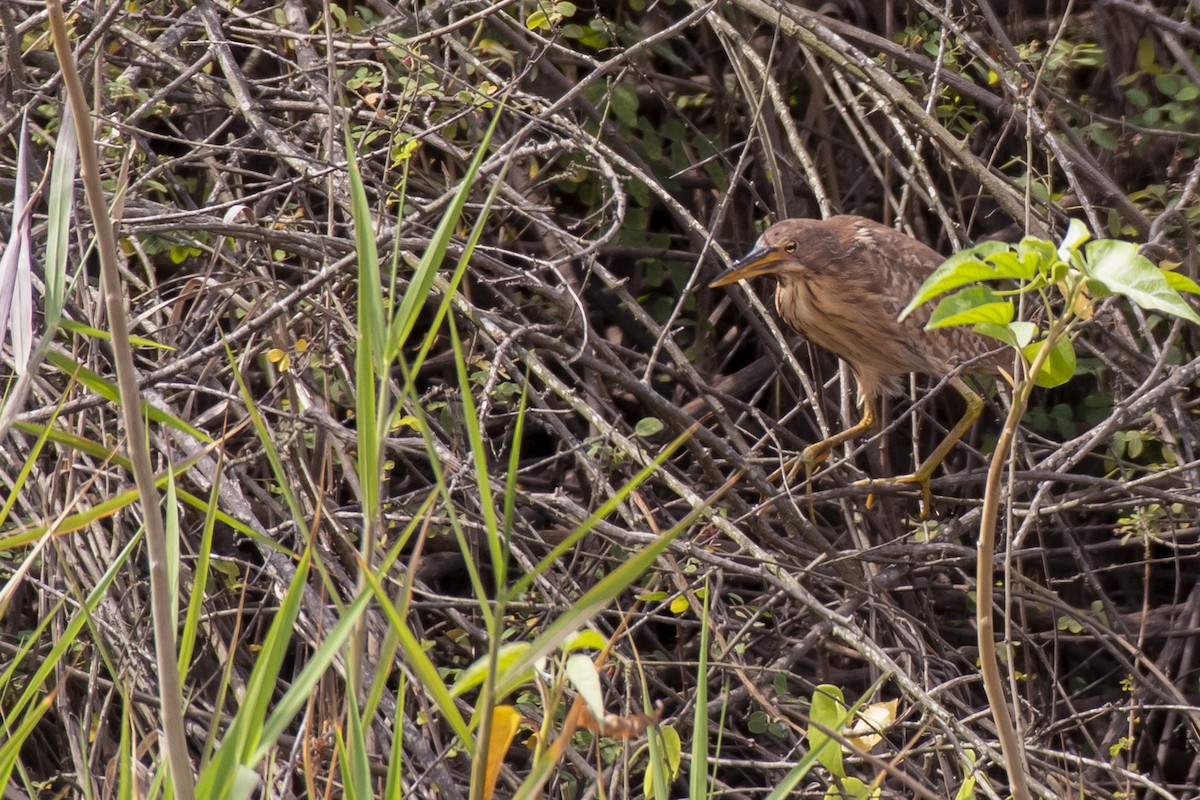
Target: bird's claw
[920,479]
[812,457]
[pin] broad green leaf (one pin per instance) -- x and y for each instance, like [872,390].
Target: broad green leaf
[829,710]
[960,269]
[1118,267]
[972,305]
[1022,264]
[1059,366]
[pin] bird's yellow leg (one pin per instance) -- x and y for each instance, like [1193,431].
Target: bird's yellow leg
[924,473]
[815,454]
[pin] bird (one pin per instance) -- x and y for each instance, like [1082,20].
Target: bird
[842,283]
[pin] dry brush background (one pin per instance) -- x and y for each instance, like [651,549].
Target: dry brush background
[640,144]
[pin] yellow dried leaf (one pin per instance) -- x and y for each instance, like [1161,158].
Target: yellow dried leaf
[505,720]
[867,731]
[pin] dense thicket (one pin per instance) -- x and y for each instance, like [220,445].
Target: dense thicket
[640,144]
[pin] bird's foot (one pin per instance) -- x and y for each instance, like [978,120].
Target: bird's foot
[812,457]
[920,478]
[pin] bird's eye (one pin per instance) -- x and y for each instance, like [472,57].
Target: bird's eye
[789,248]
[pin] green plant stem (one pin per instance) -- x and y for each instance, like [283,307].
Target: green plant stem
[989,665]
[170,692]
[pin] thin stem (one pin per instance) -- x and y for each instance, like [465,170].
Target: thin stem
[170,692]
[989,665]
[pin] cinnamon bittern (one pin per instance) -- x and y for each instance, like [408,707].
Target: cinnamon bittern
[842,283]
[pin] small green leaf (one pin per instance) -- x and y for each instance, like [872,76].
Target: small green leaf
[1099,133]
[829,710]
[473,675]
[975,304]
[648,426]
[586,639]
[624,102]
[1001,333]
[1147,57]
[1015,334]
[853,789]
[1023,331]
[1180,282]
[1138,98]
[581,671]
[1118,267]
[565,9]
[1077,233]
[1168,83]
[538,19]
[673,747]
[967,790]
[1059,366]
[1022,264]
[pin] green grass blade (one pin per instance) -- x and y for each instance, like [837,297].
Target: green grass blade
[426,673]
[606,508]
[230,771]
[422,279]
[191,623]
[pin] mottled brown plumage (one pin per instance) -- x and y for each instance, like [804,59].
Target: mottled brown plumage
[842,284]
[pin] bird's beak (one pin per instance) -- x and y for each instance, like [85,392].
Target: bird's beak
[758,261]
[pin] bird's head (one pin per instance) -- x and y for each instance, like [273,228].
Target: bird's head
[775,253]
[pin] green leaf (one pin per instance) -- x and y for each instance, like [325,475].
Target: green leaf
[1118,267]
[648,426]
[1168,83]
[1022,264]
[1138,98]
[960,269]
[673,747]
[1147,58]
[586,639]
[1077,233]
[967,790]
[1180,282]
[1099,133]
[624,101]
[581,671]
[829,710]
[1059,366]
[975,304]
[853,789]
[538,19]
[473,675]
[1001,333]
